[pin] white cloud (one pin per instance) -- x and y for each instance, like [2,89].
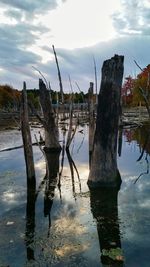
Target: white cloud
[79,29]
[133,18]
[80,23]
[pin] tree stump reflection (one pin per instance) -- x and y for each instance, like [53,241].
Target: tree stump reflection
[104,208]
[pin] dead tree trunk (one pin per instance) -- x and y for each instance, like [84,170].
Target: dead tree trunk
[60,83]
[95,72]
[51,130]
[91,120]
[26,136]
[104,171]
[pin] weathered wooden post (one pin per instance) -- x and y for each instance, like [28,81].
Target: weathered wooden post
[49,123]
[91,119]
[104,171]
[26,136]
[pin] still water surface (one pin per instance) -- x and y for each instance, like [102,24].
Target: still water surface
[68,225]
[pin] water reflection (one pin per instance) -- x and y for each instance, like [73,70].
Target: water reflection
[142,138]
[30,219]
[104,208]
[73,169]
[120,133]
[51,183]
[72,234]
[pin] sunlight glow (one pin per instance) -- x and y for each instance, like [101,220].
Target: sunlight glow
[9,197]
[73,27]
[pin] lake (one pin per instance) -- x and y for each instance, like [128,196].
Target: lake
[67,225]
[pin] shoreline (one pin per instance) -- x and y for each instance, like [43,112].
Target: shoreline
[130,116]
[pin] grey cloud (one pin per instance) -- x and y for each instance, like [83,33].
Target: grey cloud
[21,34]
[14,40]
[77,63]
[13,13]
[31,6]
[128,21]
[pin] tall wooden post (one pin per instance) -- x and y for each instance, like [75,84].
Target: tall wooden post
[26,136]
[91,119]
[51,129]
[104,171]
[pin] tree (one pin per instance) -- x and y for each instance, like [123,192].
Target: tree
[104,170]
[9,97]
[127,91]
[141,91]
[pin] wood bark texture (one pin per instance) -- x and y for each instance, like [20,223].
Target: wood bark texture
[104,171]
[91,118]
[51,130]
[26,136]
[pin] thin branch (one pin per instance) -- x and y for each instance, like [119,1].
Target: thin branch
[138,65]
[82,141]
[72,172]
[80,91]
[95,72]
[147,171]
[75,129]
[59,75]
[70,84]
[69,137]
[17,147]
[36,114]
[62,159]
[41,76]
[77,173]
[143,149]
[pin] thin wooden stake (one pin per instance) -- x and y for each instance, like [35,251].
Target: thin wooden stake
[59,76]
[26,136]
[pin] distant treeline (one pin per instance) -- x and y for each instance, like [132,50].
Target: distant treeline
[10,97]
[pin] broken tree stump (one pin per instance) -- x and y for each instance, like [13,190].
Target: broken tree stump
[26,136]
[104,171]
[49,123]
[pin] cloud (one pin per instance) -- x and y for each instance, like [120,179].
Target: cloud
[13,13]
[78,63]
[30,7]
[14,42]
[18,35]
[133,19]
[22,45]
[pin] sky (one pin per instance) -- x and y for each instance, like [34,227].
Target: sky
[79,30]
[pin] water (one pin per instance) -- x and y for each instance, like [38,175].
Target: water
[68,225]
